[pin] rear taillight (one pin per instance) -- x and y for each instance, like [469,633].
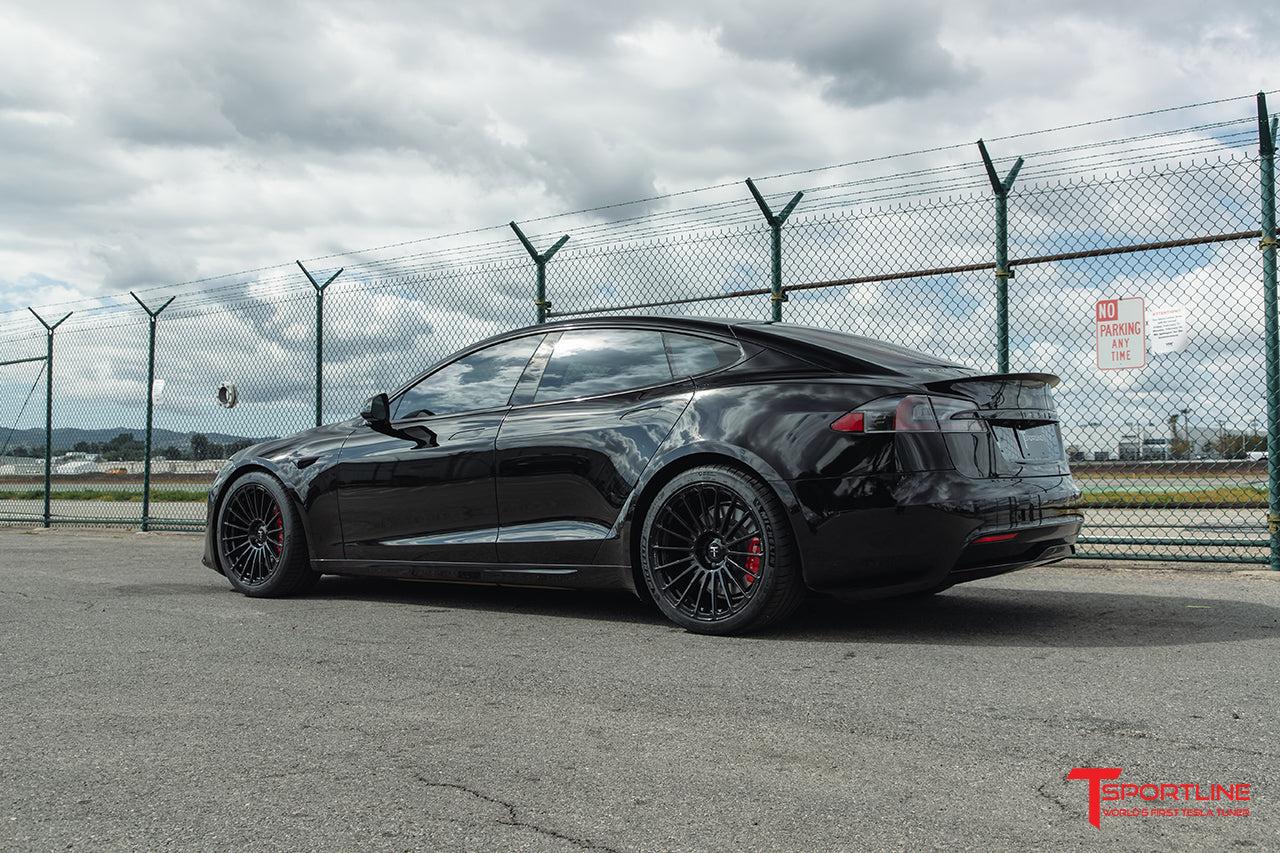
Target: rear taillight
[912,413]
[852,422]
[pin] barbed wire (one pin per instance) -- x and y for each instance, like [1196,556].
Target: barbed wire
[647,224]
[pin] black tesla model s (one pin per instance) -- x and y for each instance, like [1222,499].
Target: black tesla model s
[722,468]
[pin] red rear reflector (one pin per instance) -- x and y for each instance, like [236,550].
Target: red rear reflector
[999,537]
[852,422]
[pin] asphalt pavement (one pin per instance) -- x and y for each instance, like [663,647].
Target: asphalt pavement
[146,706]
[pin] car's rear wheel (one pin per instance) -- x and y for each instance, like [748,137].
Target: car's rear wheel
[716,553]
[260,544]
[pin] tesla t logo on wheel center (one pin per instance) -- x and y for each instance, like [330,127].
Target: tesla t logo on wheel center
[1120,335]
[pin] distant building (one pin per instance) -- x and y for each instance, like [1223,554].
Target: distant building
[1136,442]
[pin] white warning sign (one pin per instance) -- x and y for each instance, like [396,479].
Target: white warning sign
[1167,329]
[1120,334]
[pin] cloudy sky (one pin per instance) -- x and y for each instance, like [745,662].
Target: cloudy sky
[165,147]
[149,144]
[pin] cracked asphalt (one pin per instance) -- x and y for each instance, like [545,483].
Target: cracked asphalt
[146,706]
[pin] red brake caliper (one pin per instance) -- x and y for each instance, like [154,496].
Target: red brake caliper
[279,525]
[754,550]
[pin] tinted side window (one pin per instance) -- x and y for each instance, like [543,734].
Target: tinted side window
[592,362]
[693,355]
[482,380]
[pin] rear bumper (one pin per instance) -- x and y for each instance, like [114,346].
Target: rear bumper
[896,534]
[1039,545]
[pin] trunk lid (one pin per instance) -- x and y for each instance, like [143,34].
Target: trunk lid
[1014,429]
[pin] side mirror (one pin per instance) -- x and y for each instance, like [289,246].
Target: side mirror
[377,410]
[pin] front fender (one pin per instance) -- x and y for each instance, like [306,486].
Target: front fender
[304,464]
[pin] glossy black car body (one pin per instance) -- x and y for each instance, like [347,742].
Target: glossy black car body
[720,467]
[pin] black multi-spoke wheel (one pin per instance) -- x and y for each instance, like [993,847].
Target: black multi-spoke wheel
[261,549]
[716,554]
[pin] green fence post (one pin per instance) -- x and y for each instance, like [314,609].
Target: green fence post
[1003,273]
[319,288]
[541,260]
[48,417]
[151,398]
[1267,148]
[777,296]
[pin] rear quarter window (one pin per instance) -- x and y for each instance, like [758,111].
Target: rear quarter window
[691,355]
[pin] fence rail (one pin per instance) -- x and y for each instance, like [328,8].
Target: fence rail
[1003,277]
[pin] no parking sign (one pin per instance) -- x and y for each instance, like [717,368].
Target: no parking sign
[1121,334]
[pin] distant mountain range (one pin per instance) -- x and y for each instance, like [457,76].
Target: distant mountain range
[66,438]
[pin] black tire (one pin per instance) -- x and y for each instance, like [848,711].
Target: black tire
[260,544]
[716,553]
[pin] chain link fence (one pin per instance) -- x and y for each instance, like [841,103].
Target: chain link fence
[1170,456]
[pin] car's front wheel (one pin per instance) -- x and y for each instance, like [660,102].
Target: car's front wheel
[260,544]
[716,552]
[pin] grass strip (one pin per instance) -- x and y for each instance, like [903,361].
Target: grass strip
[109,495]
[1226,496]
